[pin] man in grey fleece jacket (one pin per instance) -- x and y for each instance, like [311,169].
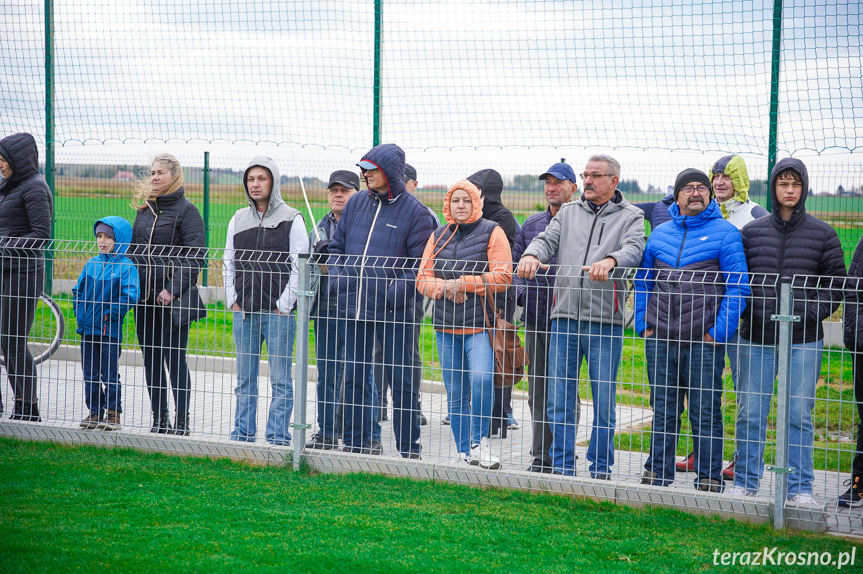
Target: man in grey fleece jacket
[591,236]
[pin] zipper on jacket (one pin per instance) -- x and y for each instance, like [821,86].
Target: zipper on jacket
[589,240]
[584,261]
[151,269]
[601,229]
[363,260]
[682,243]
[782,252]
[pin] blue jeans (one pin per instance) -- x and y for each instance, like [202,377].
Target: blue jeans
[99,360]
[250,332]
[697,368]
[758,368]
[467,362]
[601,344]
[330,355]
[360,396]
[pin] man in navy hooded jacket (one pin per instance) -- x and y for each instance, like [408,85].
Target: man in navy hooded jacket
[374,256]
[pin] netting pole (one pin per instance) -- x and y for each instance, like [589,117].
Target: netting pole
[774,94]
[783,401]
[379,27]
[206,212]
[49,136]
[301,370]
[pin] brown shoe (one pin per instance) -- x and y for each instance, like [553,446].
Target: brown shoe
[91,421]
[709,485]
[111,422]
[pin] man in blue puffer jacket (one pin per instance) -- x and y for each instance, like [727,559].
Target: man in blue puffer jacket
[106,290]
[689,295]
[374,255]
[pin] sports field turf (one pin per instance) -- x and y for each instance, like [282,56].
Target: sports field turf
[92,509]
[78,209]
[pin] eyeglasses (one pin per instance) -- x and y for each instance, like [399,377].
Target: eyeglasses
[689,190]
[584,176]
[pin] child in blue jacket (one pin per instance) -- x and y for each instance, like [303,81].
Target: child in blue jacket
[106,290]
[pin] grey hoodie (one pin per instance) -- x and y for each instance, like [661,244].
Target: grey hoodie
[579,237]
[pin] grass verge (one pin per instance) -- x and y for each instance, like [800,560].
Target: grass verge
[97,509]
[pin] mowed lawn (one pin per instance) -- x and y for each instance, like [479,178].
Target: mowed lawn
[90,509]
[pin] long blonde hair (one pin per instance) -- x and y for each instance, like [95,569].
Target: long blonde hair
[143,190]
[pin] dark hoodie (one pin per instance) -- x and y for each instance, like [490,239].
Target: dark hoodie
[490,184]
[26,206]
[805,248]
[377,245]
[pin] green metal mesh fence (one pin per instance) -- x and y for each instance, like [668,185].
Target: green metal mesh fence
[438,78]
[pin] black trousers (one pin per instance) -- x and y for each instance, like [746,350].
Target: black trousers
[19,294]
[857,465]
[163,346]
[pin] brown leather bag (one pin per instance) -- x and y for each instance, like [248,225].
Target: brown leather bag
[510,357]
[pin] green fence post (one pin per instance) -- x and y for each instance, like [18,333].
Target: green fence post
[379,26]
[774,94]
[49,137]
[206,213]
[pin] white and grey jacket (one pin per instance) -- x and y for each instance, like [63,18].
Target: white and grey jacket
[579,237]
[262,251]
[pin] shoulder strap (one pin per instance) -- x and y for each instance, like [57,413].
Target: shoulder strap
[490,301]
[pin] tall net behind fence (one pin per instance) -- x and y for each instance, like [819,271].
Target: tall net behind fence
[645,75]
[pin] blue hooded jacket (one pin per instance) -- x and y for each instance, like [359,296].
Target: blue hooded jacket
[693,278]
[108,286]
[377,246]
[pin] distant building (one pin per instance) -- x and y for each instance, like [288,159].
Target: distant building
[125,176]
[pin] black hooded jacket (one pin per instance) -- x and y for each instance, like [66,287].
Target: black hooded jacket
[490,183]
[26,206]
[853,318]
[804,248]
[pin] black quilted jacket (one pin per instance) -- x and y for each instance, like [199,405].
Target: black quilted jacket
[168,245]
[26,206]
[803,248]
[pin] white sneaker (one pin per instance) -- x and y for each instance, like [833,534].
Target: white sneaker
[462,458]
[486,457]
[802,499]
[474,455]
[738,491]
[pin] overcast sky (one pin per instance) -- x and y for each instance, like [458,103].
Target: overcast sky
[622,75]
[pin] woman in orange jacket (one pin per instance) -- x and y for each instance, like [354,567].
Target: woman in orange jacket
[463,261]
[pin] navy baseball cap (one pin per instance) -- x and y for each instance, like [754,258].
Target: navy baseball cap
[560,171]
[344,177]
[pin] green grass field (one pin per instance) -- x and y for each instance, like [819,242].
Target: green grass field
[118,510]
[77,211]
